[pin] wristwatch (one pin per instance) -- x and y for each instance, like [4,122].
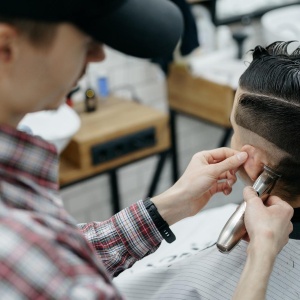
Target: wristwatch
[159,222]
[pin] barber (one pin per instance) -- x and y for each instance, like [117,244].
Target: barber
[44,48]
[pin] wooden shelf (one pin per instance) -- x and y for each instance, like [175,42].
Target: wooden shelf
[113,119]
[199,97]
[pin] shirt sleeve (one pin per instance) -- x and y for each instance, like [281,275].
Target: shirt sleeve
[38,262]
[123,239]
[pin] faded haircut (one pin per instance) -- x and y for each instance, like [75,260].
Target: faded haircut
[38,33]
[270,106]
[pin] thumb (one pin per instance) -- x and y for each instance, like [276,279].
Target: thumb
[250,196]
[230,163]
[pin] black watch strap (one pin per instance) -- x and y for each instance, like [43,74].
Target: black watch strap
[159,222]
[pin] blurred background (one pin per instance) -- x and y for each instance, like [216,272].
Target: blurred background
[226,30]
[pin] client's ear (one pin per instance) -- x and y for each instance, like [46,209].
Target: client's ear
[254,164]
[7,39]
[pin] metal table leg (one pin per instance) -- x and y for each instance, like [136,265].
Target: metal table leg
[114,189]
[174,151]
[158,170]
[225,137]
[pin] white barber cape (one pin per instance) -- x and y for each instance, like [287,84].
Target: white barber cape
[193,268]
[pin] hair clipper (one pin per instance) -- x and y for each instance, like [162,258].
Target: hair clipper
[235,229]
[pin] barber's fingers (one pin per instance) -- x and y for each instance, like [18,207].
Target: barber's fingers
[222,187]
[249,193]
[284,206]
[228,174]
[230,163]
[219,154]
[251,197]
[274,200]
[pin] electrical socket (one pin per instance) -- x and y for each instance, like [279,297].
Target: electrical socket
[124,145]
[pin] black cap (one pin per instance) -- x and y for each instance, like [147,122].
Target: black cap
[142,28]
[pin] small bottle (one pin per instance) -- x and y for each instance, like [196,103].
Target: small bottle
[90,100]
[102,83]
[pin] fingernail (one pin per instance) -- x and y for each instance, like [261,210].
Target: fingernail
[230,182]
[226,192]
[242,156]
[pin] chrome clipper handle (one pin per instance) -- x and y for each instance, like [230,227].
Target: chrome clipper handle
[235,229]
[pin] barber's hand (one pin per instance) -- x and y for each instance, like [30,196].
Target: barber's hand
[268,224]
[208,173]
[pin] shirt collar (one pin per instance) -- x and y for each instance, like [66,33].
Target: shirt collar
[28,156]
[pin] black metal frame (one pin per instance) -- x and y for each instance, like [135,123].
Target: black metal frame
[113,179]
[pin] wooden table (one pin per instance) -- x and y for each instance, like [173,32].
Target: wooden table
[114,120]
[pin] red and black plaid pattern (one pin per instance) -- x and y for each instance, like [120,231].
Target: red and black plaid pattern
[43,255]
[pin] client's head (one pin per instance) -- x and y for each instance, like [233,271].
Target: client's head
[266,118]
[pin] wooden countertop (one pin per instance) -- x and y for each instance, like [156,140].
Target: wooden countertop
[114,118]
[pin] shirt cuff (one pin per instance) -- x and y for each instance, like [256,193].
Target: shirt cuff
[137,230]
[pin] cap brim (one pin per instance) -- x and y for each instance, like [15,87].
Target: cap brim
[140,28]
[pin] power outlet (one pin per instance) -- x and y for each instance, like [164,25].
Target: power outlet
[122,146]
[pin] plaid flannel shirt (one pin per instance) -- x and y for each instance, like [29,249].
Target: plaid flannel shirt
[43,255]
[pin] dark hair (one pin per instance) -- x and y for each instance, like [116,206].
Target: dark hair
[39,33]
[270,106]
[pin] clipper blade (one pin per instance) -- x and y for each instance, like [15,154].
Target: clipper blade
[266,181]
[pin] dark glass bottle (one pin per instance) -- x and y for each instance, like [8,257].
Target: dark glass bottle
[90,100]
